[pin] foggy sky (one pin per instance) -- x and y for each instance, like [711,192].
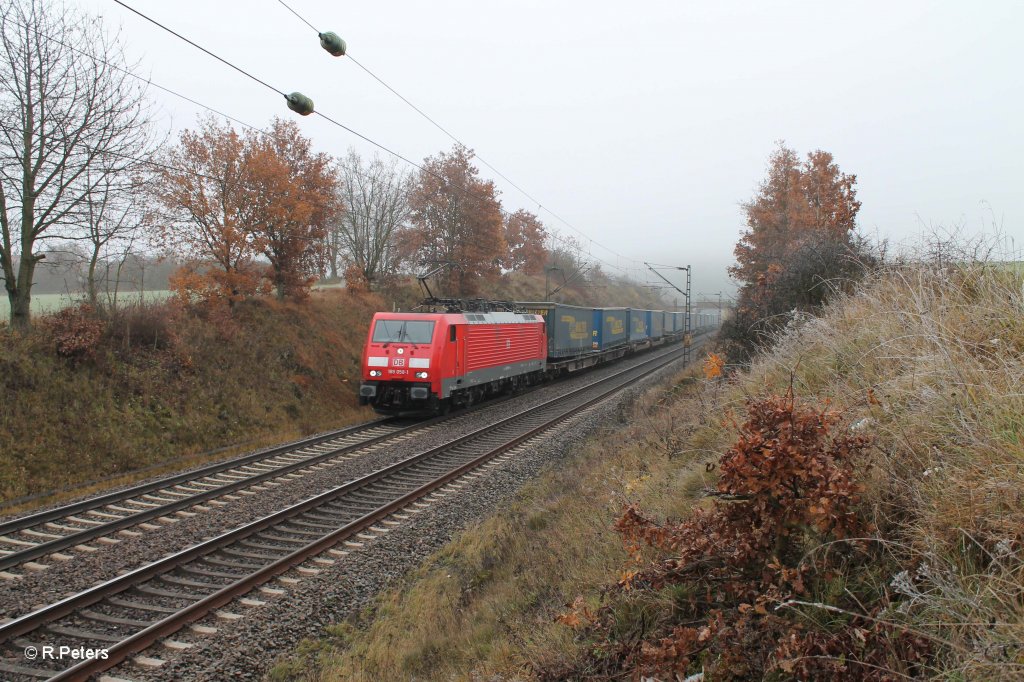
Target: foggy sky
[643,125]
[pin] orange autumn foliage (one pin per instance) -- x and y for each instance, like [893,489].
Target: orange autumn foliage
[525,236]
[799,247]
[229,199]
[201,188]
[456,218]
[291,198]
[794,202]
[713,366]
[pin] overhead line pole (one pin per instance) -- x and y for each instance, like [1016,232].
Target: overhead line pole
[687,325]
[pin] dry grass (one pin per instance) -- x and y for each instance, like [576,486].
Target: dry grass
[486,605]
[931,358]
[161,385]
[928,359]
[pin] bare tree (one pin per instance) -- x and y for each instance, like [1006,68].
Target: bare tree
[114,219]
[566,255]
[71,115]
[375,197]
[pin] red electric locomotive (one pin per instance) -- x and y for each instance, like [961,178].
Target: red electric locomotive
[428,362]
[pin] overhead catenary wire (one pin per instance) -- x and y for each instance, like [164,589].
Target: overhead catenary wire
[301,18]
[248,126]
[200,47]
[451,135]
[333,122]
[280,92]
[128,72]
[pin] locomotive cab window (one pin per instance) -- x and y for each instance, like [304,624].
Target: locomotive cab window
[403,331]
[451,333]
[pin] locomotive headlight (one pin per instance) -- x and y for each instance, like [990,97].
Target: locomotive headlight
[421,375]
[374,372]
[400,351]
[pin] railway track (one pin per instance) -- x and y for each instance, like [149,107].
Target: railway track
[127,614]
[27,538]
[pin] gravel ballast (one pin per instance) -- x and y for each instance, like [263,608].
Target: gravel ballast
[139,547]
[245,648]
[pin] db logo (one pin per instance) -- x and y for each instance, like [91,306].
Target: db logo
[398,362]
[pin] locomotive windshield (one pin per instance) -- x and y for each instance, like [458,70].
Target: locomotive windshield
[403,331]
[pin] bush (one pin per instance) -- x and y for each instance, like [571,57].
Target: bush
[801,282]
[786,486]
[75,332]
[143,326]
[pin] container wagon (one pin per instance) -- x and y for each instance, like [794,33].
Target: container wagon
[655,324]
[570,328]
[611,328]
[638,329]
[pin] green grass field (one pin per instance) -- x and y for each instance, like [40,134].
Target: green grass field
[48,303]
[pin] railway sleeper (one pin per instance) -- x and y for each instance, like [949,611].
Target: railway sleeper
[225,479]
[277,549]
[290,528]
[245,566]
[204,487]
[89,614]
[18,543]
[140,606]
[172,493]
[62,527]
[351,509]
[319,526]
[186,582]
[170,594]
[85,635]
[405,480]
[232,551]
[155,496]
[387,491]
[192,569]
[436,468]
[38,534]
[273,537]
[25,671]
[345,508]
[340,518]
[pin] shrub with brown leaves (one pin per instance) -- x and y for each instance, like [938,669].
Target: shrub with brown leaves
[786,482]
[787,485]
[75,331]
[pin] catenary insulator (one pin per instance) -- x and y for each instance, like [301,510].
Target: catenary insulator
[333,43]
[299,103]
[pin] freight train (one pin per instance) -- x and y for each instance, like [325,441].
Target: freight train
[428,363]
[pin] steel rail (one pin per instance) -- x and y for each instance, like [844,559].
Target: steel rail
[29,520]
[144,638]
[106,528]
[125,521]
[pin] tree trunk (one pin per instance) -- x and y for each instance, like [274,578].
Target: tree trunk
[90,279]
[21,297]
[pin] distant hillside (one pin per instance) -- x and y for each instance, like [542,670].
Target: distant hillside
[514,286]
